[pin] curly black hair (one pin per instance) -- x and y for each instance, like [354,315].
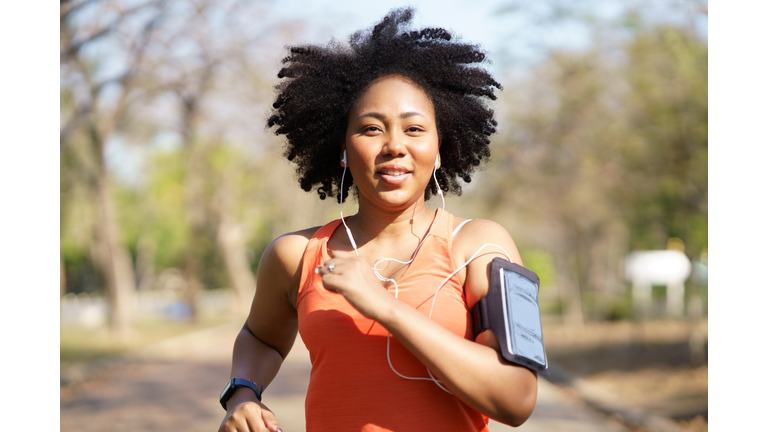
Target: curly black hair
[323,82]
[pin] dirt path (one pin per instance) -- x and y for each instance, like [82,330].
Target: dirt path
[174,386]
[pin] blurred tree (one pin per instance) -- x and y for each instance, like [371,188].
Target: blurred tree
[559,167]
[603,152]
[237,177]
[217,52]
[97,98]
[665,161]
[190,93]
[131,73]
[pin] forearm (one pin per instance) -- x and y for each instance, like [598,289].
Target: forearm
[473,372]
[254,360]
[258,362]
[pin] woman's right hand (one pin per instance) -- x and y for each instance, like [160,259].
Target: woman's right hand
[246,414]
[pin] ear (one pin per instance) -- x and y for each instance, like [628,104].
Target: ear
[343,157]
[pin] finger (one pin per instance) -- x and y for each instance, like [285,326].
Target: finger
[270,421]
[224,427]
[323,270]
[248,418]
[328,283]
[331,261]
[255,423]
[233,425]
[331,266]
[237,421]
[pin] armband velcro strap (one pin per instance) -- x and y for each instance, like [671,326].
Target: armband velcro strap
[480,319]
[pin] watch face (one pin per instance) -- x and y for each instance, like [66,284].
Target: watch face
[227,388]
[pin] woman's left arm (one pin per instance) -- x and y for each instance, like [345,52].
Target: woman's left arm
[475,372]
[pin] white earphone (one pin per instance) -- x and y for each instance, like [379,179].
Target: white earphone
[376,268]
[434,174]
[341,206]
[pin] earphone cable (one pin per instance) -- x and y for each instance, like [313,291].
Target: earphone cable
[386,279]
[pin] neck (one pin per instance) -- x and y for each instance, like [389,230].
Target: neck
[370,223]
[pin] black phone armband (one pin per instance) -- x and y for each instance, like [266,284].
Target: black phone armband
[511,311]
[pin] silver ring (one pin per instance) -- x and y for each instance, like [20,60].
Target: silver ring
[330,267]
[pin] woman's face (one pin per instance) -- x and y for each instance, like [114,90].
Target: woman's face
[392,143]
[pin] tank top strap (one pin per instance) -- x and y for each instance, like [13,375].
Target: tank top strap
[443,228]
[325,231]
[313,253]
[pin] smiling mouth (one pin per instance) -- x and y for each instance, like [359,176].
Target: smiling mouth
[393,173]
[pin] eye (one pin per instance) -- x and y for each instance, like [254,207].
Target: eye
[414,129]
[371,129]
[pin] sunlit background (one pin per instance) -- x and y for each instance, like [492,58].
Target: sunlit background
[171,186]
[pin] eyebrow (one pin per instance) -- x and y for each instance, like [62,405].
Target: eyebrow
[382,117]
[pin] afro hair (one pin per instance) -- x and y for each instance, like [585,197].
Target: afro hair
[321,83]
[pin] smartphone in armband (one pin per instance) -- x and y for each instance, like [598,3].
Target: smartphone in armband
[511,311]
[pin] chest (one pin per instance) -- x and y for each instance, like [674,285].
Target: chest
[326,318]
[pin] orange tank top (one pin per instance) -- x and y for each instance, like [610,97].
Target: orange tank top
[351,386]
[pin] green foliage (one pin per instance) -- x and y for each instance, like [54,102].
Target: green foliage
[165,219]
[602,154]
[667,161]
[540,262]
[551,308]
[159,212]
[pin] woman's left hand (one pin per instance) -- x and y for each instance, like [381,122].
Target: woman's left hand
[351,276]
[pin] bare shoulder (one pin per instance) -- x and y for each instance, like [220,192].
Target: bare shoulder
[481,241]
[284,254]
[479,232]
[273,318]
[273,311]
[288,246]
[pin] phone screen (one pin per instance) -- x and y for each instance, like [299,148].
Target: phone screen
[521,317]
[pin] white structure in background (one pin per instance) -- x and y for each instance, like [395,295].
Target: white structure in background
[658,267]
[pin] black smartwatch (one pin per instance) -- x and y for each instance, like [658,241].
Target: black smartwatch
[233,384]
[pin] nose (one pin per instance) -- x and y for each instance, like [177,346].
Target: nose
[394,145]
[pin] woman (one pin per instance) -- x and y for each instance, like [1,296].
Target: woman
[399,116]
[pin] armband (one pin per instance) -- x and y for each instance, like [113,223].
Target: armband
[511,311]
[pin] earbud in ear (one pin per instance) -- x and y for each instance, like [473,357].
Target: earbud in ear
[437,161]
[344,158]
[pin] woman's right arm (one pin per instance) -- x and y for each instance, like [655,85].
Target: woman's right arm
[268,334]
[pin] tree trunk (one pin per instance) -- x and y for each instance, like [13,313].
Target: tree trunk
[145,263]
[192,286]
[196,218]
[62,277]
[570,295]
[232,247]
[114,261]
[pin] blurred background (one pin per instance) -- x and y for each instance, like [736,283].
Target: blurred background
[171,187]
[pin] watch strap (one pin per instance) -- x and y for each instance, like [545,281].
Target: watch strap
[233,384]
